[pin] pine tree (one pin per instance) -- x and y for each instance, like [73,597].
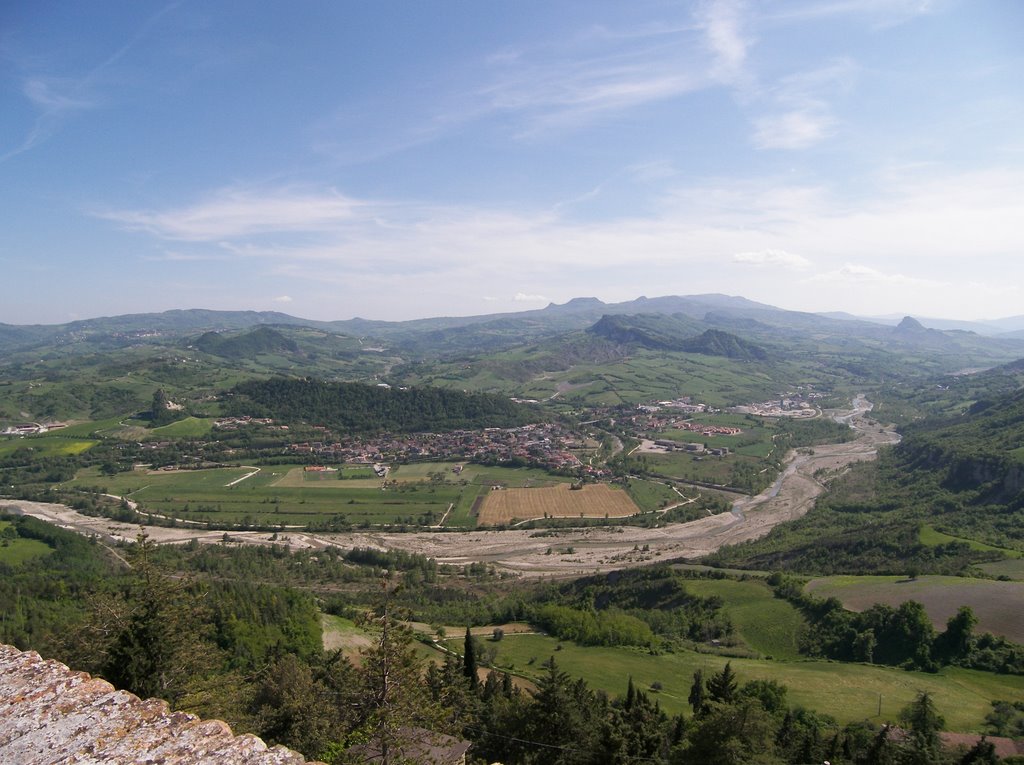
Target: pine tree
[925,723]
[722,685]
[469,668]
[390,692]
[698,694]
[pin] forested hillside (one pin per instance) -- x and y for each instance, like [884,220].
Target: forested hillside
[962,475]
[365,408]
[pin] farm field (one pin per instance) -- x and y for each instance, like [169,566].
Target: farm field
[849,692]
[505,506]
[765,623]
[46,445]
[999,606]
[482,475]
[708,469]
[287,495]
[653,495]
[189,427]
[204,495]
[1012,568]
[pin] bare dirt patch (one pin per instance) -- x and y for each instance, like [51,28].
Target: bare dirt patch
[504,506]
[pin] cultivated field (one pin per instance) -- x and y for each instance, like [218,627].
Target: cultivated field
[45,446]
[247,496]
[999,606]
[505,506]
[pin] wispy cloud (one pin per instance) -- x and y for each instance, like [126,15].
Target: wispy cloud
[522,297]
[963,226]
[792,130]
[240,213]
[880,13]
[777,258]
[722,22]
[57,98]
[282,299]
[799,114]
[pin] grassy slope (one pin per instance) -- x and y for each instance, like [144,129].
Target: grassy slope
[17,551]
[765,623]
[849,692]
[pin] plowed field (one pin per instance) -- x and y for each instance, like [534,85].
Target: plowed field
[595,500]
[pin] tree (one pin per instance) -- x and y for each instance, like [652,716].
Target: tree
[294,708]
[722,685]
[151,638]
[925,724]
[732,734]
[957,642]
[390,694]
[469,668]
[982,753]
[698,694]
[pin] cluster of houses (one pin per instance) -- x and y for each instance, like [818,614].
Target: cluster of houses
[783,407]
[683,405]
[234,423]
[544,444]
[691,448]
[708,430]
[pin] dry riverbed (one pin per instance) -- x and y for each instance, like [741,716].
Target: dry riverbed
[561,552]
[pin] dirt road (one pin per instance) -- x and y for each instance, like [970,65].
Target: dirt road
[561,552]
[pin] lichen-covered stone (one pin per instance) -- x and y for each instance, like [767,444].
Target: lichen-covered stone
[50,714]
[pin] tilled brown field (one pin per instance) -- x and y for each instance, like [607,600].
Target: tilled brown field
[999,606]
[505,506]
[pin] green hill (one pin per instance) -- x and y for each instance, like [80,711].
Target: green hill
[245,345]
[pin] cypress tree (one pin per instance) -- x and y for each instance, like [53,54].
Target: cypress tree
[469,659]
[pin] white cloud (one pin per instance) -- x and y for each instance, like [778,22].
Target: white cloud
[920,229]
[235,213]
[283,299]
[798,114]
[792,130]
[524,298]
[722,21]
[779,258]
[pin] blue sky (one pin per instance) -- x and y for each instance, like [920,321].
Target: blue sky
[395,160]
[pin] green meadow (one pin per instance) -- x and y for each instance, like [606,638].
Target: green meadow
[931,537]
[14,552]
[190,427]
[766,624]
[848,692]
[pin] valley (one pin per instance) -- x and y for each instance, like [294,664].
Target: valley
[704,487]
